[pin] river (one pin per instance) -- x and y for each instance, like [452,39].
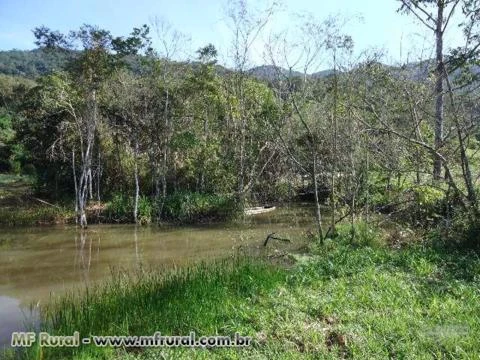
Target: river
[39,262]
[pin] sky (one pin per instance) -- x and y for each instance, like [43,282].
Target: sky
[373,24]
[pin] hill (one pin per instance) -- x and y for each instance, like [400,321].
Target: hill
[34,63]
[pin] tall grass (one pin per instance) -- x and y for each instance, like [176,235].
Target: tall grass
[188,207]
[181,207]
[202,298]
[35,215]
[343,300]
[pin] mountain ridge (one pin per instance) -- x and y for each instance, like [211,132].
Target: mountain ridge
[34,63]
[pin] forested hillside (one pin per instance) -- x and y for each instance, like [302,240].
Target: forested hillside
[98,118]
[283,188]
[32,64]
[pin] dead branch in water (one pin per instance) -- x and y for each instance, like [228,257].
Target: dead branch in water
[270,236]
[45,202]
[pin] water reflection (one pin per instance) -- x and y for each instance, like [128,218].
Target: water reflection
[36,263]
[87,254]
[15,317]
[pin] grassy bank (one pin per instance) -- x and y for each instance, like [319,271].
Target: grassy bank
[36,215]
[343,300]
[178,208]
[19,206]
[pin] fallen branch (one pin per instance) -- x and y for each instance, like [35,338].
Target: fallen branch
[336,222]
[270,236]
[46,202]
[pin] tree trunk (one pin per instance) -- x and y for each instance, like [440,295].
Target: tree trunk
[439,103]
[241,170]
[205,143]
[76,186]
[164,176]
[366,141]
[99,175]
[165,145]
[317,201]
[334,152]
[137,186]
[83,188]
[90,183]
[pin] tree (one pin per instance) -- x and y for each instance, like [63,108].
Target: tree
[204,89]
[128,106]
[437,22]
[460,57]
[165,74]
[246,26]
[307,102]
[79,99]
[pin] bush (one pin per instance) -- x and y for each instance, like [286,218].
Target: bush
[361,234]
[120,208]
[463,232]
[418,205]
[35,215]
[145,210]
[190,207]
[29,169]
[427,207]
[184,207]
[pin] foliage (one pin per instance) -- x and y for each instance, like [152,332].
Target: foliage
[145,210]
[109,113]
[120,208]
[360,234]
[32,64]
[188,207]
[461,231]
[35,215]
[421,205]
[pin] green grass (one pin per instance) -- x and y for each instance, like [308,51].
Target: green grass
[14,186]
[12,178]
[342,300]
[19,208]
[35,215]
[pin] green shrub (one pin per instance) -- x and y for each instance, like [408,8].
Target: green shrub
[29,169]
[282,191]
[189,207]
[185,207]
[418,205]
[463,231]
[428,196]
[35,215]
[361,234]
[145,210]
[120,208]
[425,207]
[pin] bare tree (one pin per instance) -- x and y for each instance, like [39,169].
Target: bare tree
[246,26]
[172,43]
[436,16]
[306,53]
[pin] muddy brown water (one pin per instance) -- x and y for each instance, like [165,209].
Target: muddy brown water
[39,262]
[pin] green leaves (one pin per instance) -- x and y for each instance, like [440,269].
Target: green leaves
[184,141]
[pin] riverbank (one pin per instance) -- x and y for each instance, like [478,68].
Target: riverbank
[342,300]
[19,206]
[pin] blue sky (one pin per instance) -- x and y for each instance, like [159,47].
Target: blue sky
[204,22]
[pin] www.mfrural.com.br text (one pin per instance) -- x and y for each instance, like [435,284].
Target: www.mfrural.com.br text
[44,339]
